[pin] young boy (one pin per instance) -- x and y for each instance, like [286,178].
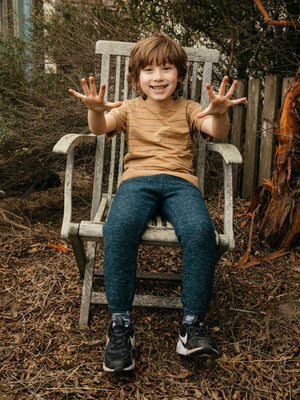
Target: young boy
[158,175]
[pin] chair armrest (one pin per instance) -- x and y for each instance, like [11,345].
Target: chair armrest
[229,152]
[68,142]
[231,155]
[66,145]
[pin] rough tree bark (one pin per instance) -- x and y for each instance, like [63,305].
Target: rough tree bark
[278,200]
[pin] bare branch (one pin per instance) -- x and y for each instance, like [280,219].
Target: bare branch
[269,21]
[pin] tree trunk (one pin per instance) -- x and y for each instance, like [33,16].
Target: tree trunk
[279,199]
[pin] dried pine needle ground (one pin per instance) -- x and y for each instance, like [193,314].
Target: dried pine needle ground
[254,318]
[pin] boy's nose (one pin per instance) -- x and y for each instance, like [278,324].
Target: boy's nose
[157,74]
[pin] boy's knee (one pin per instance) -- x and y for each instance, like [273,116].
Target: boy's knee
[203,234]
[121,227]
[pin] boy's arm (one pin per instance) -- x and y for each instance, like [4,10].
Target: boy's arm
[99,122]
[217,124]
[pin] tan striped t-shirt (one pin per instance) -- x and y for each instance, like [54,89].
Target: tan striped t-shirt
[159,139]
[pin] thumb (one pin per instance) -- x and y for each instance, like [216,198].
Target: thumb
[203,113]
[116,104]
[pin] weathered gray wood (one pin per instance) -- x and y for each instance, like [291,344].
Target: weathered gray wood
[68,142]
[113,48]
[98,175]
[87,286]
[228,151]
[101,210]
[154,235]
[125,78]
[68,195]
[78,247]
[143,301]
[194,81]
[286,83]
[237,127]
[124,48]
[105,66]
[118,79]
[251,150]
[112,167]
[231,156]
[269,114]
[152,276]
[185,85]
[228,204]
[206,78]
[202,53]
[93,231]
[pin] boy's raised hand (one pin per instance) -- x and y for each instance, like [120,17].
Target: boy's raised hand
[220,103]
[93,100]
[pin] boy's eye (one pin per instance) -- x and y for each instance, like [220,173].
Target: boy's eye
[168,67]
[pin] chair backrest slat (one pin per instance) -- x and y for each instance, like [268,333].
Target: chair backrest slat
[194,80]
[206,78]
[114,69]
[112,168]
[185,85]
[125,78]
[105,67]
[98,175]
[118,78]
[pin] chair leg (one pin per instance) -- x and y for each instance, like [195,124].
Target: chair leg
[78,248]
[87,285]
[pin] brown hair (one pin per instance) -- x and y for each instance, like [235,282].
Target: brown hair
[156,49]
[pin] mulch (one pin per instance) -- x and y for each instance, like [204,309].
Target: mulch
[254,318]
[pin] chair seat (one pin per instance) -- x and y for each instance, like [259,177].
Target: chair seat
[154,235]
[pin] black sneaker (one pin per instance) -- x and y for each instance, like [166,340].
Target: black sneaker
[193,339]
[118,355]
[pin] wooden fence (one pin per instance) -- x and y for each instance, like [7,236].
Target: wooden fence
[253,129]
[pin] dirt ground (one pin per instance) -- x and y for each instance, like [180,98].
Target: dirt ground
[254,318]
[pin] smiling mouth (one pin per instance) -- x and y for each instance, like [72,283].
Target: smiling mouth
[160,87]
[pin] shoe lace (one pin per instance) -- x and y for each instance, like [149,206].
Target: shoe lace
[198,329]
[119,333]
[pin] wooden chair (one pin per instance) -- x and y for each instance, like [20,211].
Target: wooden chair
[112,63]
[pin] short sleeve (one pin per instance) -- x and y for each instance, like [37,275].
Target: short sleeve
[120,115]
[193,109]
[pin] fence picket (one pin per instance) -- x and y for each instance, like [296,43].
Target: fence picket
[246,132]
[237,127]
[267,128]
[250,149]
[286,83]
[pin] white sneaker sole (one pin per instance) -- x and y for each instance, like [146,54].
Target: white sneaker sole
[130,368]
[180,349]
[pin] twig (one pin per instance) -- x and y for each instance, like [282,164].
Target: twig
[16,225]
[269,21]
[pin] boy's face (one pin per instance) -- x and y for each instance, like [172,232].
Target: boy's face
[159,82]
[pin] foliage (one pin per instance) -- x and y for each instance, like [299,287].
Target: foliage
[13,80]
[237,29]
[36,106]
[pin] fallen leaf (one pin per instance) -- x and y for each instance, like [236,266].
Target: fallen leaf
[57,246]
